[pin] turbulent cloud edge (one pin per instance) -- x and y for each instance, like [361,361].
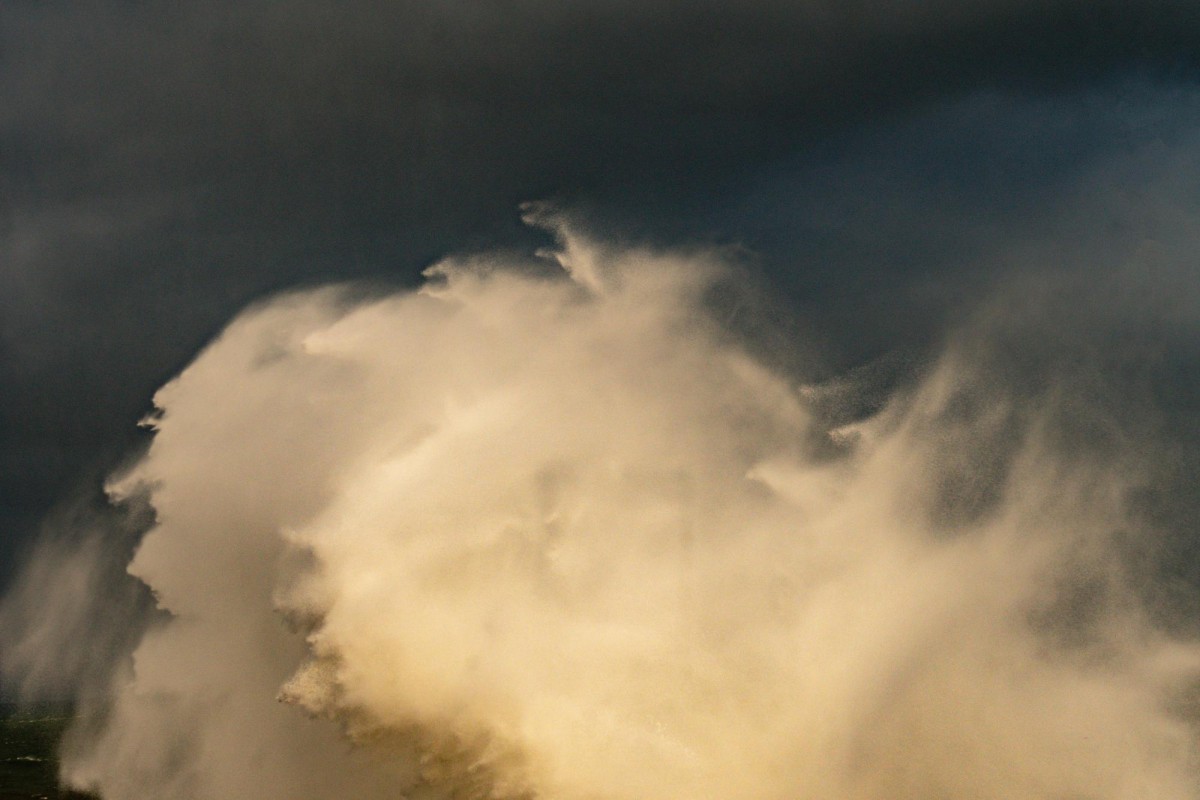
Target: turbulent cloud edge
[550,528]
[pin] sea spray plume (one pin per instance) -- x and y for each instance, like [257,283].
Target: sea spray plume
[73,614]
[562,538]
[837,638]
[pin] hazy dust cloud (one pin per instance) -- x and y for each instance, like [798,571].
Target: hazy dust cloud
[560,528]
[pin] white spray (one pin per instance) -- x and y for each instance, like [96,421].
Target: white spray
[523,534]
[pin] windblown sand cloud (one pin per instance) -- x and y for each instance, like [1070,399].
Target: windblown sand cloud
[554,530]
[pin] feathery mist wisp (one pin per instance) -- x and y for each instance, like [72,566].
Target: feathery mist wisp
[560,529]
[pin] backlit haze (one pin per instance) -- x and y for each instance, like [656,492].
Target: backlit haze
[600,402]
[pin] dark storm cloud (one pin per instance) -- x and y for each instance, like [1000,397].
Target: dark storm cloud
[161,166]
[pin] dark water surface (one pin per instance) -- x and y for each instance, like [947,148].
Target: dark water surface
[29,738]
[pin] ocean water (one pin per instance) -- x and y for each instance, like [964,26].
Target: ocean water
[29,737]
